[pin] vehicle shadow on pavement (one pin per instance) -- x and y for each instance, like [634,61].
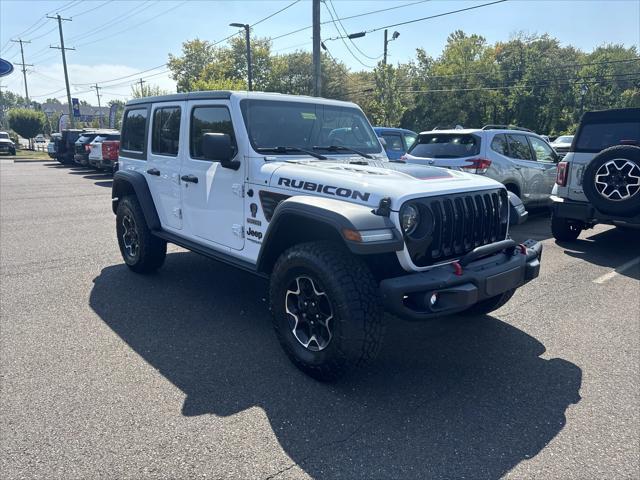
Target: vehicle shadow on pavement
[447,399]
[537,227]
[610,248]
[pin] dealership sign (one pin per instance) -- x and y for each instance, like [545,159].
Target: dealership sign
[6,67]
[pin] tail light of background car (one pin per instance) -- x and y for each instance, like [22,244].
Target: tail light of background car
[87,148]
[403,158]
[561,174]
[110,150]
[477,165]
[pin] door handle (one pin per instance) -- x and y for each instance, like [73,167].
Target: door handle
[189,178]
[517,167]
[154,171]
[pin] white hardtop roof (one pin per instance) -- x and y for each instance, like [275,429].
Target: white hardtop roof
[238,94]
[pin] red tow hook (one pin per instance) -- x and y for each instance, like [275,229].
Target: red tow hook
[523,249]
[457,268]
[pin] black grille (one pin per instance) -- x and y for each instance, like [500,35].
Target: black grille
[453,225]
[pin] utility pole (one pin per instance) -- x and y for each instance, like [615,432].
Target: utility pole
[24,68]
[99,107]
[386,42]
[317,71]
[64,64]
[247,35]
[141,82]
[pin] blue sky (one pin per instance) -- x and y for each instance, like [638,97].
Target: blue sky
[119,38]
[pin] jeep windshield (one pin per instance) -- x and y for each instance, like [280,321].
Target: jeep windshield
[302,126]
[445,145]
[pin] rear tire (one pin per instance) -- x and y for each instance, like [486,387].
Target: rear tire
[326,309]
[490,304]
[564,229]
[142,251]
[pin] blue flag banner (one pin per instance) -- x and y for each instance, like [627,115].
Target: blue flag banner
[75,103]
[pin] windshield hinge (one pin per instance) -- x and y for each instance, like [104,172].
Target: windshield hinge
[238,189]
[238,230]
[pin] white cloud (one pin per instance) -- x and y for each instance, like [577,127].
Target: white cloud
[48,80]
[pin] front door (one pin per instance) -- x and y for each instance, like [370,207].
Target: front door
[212,195]
[163,162]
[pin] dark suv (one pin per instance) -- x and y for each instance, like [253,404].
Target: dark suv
[81,148]
[64,145]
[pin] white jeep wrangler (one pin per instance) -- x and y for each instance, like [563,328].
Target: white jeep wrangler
[299,190]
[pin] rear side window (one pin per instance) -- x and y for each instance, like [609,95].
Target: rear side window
[410,139]
[208,120]
[394,142]
[165,138]
[134,128]
[499,145]
[519,147]
[544,153]
[446,145]
[595,137]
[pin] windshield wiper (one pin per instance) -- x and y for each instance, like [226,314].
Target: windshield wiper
[281,149]
[336,148]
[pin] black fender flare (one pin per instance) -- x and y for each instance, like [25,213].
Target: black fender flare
[337,215]
[127,182]
[517,211]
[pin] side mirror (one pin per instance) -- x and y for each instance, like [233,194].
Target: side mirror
[217,147]
[383,142]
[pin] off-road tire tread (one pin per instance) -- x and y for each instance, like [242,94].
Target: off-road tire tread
[561,230]
[153,250]
[358,287]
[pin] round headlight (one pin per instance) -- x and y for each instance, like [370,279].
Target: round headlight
[409,218]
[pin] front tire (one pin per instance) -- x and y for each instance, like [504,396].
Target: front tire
[142,251]
[563,229]
[326,309]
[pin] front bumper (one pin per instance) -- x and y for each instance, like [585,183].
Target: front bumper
[483,273]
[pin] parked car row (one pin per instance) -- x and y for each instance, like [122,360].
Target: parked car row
[88,147]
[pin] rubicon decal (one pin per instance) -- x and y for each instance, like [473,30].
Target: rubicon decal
[326,189]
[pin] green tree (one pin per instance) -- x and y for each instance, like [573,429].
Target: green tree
[187,68]
[147,90]
[26,123]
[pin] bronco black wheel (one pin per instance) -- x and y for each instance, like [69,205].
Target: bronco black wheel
[326,309]
[141,250]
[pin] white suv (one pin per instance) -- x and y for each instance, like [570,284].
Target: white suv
[516,157]
[599,179]
[300,191]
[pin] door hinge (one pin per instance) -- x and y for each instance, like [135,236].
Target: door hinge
[238,189]
[238,230]
[177,212]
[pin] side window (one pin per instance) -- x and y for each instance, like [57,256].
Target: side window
[519,147]
[208,120]
[165,137]
[394,142]
[134,127]
[499,145]
[410,139]
[544,153]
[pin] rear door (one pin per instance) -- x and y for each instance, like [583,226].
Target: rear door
[166,151]
[546,159]
[533,174]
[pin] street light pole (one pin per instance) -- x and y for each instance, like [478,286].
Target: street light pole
[247,32]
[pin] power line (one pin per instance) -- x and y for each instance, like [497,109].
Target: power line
[275,13]
[345,32]
[91,9]
[344,42]
[363,14]
[436,16]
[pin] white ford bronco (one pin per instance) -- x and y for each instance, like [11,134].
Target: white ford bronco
[300,191]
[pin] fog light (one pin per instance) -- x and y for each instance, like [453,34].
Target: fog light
[433,300]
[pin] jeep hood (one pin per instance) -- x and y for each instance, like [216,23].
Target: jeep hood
[367,181]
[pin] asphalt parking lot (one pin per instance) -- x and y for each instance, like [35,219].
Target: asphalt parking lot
[107,374]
